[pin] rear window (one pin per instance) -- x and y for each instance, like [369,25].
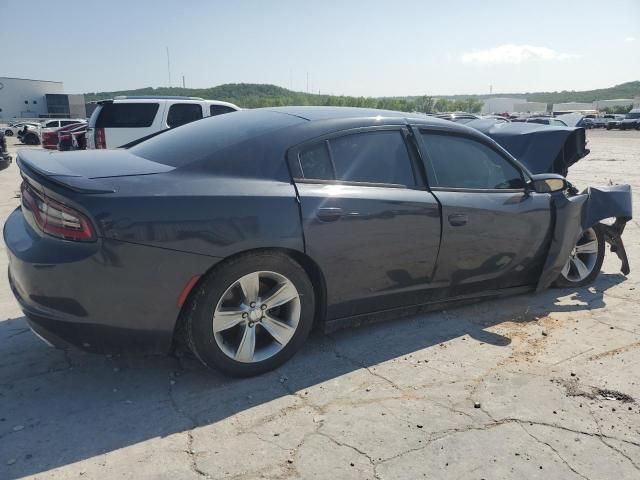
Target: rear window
[206,139]
[127,115]
[220,109]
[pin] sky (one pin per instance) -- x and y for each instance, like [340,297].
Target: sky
[366,47]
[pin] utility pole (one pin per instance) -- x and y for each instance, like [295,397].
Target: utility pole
[490,89]
[168,67]
[307,82]
[183,86]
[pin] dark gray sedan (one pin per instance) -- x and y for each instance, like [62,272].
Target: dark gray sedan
[241,232]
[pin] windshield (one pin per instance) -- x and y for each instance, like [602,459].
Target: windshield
[633,115]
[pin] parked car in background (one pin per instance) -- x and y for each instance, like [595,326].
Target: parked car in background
[599,122]
[546,121]
[613,120]
[120,121]
[585,122]
[254,227]
[13,128]
[29,134]
[72,138]
[5,158]
[631,120]
[49,136]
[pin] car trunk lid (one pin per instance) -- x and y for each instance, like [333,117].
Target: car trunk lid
[81,171]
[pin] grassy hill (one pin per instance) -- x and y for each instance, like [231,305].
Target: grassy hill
[249,95]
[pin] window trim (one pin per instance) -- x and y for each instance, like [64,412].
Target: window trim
[429,166]
[297,175]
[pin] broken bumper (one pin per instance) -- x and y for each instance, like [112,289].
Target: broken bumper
[576,213]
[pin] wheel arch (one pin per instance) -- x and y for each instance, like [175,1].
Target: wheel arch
[311,268]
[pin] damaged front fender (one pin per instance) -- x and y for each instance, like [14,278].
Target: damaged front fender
[573,214]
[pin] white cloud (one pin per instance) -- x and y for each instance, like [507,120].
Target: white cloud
[630,39]
[512,54]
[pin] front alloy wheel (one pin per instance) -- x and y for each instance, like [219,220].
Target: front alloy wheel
[585,260]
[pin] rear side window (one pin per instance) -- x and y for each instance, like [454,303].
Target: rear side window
[461,162]
[55,123]
[219,110]
[69,122]
[369,157]
[183,113]
[127,115]
[315,163]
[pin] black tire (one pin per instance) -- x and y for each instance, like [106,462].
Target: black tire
[9,133]
[198,320]
[563,282]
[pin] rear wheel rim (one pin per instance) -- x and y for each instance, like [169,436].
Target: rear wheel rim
[256,317]
[583,257]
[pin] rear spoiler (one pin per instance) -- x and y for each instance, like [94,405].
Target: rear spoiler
[42,166]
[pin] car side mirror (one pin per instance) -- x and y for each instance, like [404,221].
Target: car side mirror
[547,183]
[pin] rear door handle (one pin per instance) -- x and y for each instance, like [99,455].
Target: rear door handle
[458,219]
[329,214]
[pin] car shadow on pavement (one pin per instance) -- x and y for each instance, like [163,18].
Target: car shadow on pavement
[58,408]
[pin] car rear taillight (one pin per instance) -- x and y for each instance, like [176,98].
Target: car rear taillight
[101,141]
[55,218]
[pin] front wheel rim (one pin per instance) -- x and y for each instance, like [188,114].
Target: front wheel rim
[256,317]
[583,257]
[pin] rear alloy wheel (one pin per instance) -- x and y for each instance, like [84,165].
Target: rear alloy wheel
[251,314]
[9,133]
[584,261]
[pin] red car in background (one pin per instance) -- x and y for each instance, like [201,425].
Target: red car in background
[73,138]
[49,137]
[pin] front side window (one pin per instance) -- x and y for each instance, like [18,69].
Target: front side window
[183,113]
[461,162]
[68,122]
[368,157]
[55,123]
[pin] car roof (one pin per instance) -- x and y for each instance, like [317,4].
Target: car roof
[313,114]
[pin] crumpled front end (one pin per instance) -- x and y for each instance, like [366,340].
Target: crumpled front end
[576,213]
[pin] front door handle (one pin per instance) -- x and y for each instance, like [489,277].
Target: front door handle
[329,214]
[458,219]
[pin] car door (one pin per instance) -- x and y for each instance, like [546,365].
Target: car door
[368,220]
[495,232]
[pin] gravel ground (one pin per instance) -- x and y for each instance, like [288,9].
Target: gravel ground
[533,386]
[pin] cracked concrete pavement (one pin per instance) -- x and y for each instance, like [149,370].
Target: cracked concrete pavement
[534,386]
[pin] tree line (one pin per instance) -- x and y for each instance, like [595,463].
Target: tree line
[256,96]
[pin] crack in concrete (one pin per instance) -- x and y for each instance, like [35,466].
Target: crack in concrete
[193,465]
[562,459]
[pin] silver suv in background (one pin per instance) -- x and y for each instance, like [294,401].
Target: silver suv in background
[120,121]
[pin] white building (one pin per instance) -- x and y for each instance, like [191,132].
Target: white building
[530,107]
[573,107]
[27,98]
[500,105]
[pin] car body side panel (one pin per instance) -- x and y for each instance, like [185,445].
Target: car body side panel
[104,296]
[218,226]
[502,244]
